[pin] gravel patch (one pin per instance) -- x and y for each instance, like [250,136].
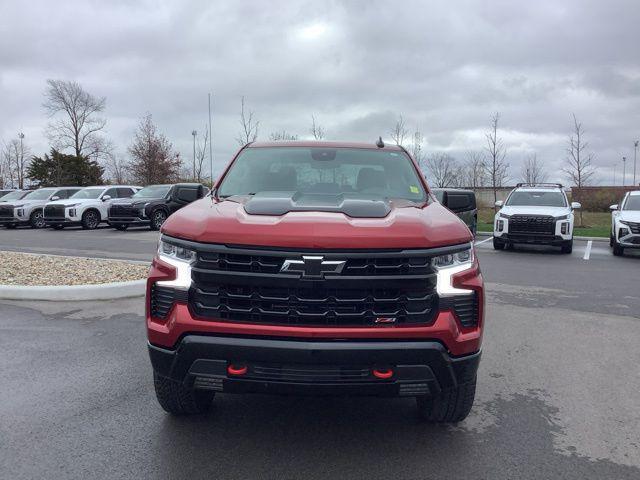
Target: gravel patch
[50,270]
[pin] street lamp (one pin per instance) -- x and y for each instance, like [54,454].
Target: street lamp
[624,169]
[194,133]
[635,154]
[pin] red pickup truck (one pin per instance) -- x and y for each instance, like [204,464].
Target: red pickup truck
[317,268]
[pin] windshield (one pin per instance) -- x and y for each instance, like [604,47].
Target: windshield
[536,199]
[153,191]
[88,193]
[316,170]
[17,195]
[632,203]
[40,194]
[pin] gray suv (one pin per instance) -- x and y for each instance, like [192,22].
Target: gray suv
[28,210]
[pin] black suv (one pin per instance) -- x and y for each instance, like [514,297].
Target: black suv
[461,202]
[153,204]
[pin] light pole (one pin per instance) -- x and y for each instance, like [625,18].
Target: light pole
[624,169]
[21,161]
[194,133]
[635,154]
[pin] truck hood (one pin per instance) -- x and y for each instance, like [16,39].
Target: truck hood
[629,215]
[406,225]
[552,211]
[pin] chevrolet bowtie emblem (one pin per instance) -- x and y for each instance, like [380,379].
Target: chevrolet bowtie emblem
[312,267]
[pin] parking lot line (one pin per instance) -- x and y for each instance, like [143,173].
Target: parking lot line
[485,240]
[587,252]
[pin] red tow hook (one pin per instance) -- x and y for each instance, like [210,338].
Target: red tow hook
[382,373]
[236,370]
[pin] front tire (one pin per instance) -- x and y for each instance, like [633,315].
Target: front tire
[498,244]
[90,220]
[567,247]
[177,399]
[618,250]
[36,220]
[157,219]
[450,406]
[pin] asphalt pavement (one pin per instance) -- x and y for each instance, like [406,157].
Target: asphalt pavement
[557,394]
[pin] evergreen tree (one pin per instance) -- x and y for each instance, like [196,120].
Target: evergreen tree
[58,169]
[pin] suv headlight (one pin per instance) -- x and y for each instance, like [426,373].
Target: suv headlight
[72,205]
[448,265]
[502,215]
[624,223]
[563,217]
[175,252]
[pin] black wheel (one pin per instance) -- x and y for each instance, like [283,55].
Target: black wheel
[450,406]
[36,220]
[177,399]
[567,247]
[120,226]
[157,219]
[90,220]
[58,227]
[611,239]
[618,250]
[498,244]
[11,226]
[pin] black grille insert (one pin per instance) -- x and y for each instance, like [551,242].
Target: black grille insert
[54,211]
[123,211]
[163,298]
[466,308]
[538,224]
[6,211]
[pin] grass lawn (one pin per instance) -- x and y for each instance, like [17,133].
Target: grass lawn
[596,224]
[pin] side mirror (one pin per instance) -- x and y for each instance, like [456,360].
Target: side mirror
[499,203]
[613,208]
[54,198]
[106,197]
[576,205]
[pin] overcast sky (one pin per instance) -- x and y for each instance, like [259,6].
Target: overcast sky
[445,66]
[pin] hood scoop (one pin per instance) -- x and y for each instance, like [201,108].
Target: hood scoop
[280,203]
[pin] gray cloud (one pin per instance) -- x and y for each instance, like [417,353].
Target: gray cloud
[355,65]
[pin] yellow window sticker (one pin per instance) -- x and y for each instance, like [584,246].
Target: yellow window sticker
[414,189]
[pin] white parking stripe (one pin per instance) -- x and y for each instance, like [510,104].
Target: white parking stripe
[485,240]
[587,252]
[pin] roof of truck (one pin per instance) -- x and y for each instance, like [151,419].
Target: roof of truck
[312,143]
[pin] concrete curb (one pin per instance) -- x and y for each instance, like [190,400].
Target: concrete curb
[593,239]
[66,293]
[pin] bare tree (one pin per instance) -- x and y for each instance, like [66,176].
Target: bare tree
[117,168]
[152,157]
[496,165]
[249,125]
[317,130]
[282,136]
[442,170]
[15,160]
[533,170]
[578,167]
[474,170]
[80,125]
[399,132]
[201,155]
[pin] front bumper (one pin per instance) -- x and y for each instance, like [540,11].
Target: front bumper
[313,367]
[533,239]
[50,221]
[630,241]
[128,220]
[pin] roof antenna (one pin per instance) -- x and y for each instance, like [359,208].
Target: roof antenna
[380,143]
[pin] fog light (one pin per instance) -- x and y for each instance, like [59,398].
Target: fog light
[382,373]
[72,212]
[236,369]
[500,225]
[623,232]
[564,228]
[20,212]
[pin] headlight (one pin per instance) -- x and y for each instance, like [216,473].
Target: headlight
[564,217]
[448,265]
[502,215]
[72,205]
[178,253]
[141,209]
[624,223]
[20,212]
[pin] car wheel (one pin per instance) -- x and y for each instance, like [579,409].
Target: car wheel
[157,219]
[567,247]
[90,220]
[449,406]
[178,399]
[618,250]
[611,239]
[37,219]
[120,226]
[498,244]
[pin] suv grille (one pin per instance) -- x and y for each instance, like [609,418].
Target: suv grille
[6,211]
[634,227]
[241,285]
[54,211]
[123,211]
[537,224]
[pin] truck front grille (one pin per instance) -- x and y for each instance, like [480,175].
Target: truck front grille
[246,285]
[123,211]
[54,212]
[535,224]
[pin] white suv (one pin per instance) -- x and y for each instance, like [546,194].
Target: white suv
[535,214]
[88,207]
[625,223]
[28,210]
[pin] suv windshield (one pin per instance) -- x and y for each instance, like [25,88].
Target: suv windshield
[17,195]
[632,203]
[536,199]
[153,191]
[88,193]
[316,170]
[40,194]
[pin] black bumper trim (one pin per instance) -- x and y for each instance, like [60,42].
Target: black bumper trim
[535,239]
[129,220]
[421,367]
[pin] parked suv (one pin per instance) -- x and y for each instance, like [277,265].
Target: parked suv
[14,195]
[87,207]
[28,210]
[625,223]
[153,204]
[316,268]
[4,192]
[461,202]
[535,214]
